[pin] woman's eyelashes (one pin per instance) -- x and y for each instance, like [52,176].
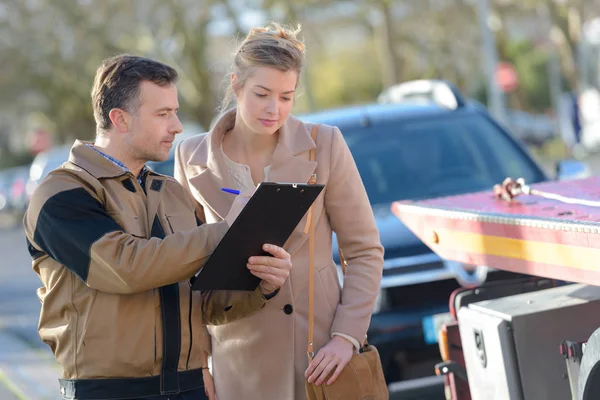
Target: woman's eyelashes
[262,95]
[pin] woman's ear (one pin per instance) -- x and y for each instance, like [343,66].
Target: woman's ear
[235,84]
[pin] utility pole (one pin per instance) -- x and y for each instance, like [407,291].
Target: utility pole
[553,65]
[496,102]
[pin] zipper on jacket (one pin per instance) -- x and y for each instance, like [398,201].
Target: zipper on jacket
[187,363]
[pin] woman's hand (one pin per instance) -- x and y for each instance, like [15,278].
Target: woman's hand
[332,357]
[274,270]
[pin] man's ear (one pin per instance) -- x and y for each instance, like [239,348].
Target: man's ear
[120,119]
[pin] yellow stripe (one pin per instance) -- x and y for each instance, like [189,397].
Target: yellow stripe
[11,387]
[540,252]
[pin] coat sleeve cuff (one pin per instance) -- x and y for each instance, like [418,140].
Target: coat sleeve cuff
[269,296]
[354,342]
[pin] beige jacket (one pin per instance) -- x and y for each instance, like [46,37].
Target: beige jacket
[110,258]
[264,356]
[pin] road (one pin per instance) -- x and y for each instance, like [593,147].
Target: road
[27,368]
[19,307]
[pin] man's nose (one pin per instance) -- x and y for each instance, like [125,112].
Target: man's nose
[177,126]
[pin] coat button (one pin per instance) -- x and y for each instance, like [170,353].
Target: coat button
[288,309]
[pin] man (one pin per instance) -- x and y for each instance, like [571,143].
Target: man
[110,240]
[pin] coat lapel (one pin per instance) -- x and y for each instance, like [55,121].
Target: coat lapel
[212,172]
[291,163]
[208,186]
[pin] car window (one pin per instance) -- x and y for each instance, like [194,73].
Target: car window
[164,167]
[48,161]
[441,156]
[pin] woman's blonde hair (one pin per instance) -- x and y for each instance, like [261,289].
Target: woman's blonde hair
[271,46]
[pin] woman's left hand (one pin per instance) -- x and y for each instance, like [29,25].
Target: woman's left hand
[334,355]
[273,270]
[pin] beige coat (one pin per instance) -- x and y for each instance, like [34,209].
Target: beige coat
[264,356]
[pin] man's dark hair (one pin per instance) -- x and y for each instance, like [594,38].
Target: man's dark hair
[117,84]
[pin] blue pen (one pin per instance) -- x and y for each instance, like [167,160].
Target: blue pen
[232,191]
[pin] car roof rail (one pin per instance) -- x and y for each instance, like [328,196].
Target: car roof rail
[437,91]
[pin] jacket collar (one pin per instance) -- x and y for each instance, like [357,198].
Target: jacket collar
[93,162]
[98,165]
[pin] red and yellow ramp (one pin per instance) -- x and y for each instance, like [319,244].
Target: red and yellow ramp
[529,234]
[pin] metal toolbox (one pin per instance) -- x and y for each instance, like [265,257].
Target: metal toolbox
[512,345]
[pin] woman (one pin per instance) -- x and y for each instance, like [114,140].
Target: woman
[264,356]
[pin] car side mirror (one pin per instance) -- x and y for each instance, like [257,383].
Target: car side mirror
[571,169]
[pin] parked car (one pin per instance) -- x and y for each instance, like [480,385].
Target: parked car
[12,190]
[43,163]
[416,148]
[6,179]
[4,190]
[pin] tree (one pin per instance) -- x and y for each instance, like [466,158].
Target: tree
[50,51]
[563,25]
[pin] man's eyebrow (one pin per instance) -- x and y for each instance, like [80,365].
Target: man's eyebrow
[167,109]
[269,90]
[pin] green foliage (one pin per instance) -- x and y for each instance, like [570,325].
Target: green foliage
[531,65]
[9,159]
[533,93]
[338,79]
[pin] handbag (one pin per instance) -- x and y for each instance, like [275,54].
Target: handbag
[362,378]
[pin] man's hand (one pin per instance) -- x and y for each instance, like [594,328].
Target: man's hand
[238,205]
[334,355]
[209,385]
[272,270]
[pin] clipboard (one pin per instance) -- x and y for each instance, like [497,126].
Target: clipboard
[270,216]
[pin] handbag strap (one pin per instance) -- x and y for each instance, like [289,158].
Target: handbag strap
[311,258]
[310,228]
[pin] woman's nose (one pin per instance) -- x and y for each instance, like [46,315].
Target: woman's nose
[272,107]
